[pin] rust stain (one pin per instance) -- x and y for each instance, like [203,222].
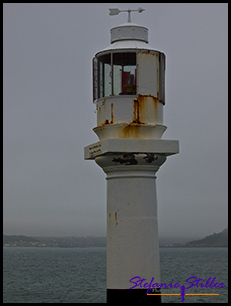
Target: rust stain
[116,223]
[136,111]
[107,120]
[140,96]
[145,111]
[146,52]
[131,131]
[141,108]
[99,108]
[112,116]
[145,108]
[155,111]
[109,215]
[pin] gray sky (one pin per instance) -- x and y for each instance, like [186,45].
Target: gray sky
[49,190]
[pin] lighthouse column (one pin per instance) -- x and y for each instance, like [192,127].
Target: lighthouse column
[132,230]
[129,93]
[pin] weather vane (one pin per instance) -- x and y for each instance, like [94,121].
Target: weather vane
[116,11]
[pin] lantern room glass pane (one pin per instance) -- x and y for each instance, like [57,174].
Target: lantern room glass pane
[162,77]
[124,73]
[105,82]
[95,78]
[116,74]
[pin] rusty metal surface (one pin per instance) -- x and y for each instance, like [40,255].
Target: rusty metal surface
[138,116]
[143,109]
[130,131]
[112,116]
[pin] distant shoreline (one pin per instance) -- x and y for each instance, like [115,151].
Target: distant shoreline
[215,240]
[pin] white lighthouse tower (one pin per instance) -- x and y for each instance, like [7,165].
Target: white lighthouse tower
[129,93]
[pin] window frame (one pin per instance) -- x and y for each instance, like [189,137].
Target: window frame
[99,74]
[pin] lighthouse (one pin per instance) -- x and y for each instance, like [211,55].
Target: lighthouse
[129,93]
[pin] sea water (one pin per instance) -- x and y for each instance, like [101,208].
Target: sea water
[78,275]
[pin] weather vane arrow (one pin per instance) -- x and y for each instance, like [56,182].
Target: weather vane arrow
[116,11]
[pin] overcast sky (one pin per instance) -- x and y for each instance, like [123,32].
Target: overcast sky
[49,189]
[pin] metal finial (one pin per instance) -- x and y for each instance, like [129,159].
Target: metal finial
[116,11]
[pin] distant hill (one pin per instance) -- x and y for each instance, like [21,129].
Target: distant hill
[214,240]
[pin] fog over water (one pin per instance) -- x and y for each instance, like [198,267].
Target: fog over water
[49,189]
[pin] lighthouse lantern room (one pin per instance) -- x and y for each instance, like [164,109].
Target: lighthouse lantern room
[129,85]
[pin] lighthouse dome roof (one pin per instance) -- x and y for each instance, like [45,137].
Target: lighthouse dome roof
[129,36]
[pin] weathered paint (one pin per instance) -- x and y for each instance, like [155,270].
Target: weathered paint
[127,159]
[138,159]
[112,116]
[130,131]
[130,117]
[145,109]
[136,115]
